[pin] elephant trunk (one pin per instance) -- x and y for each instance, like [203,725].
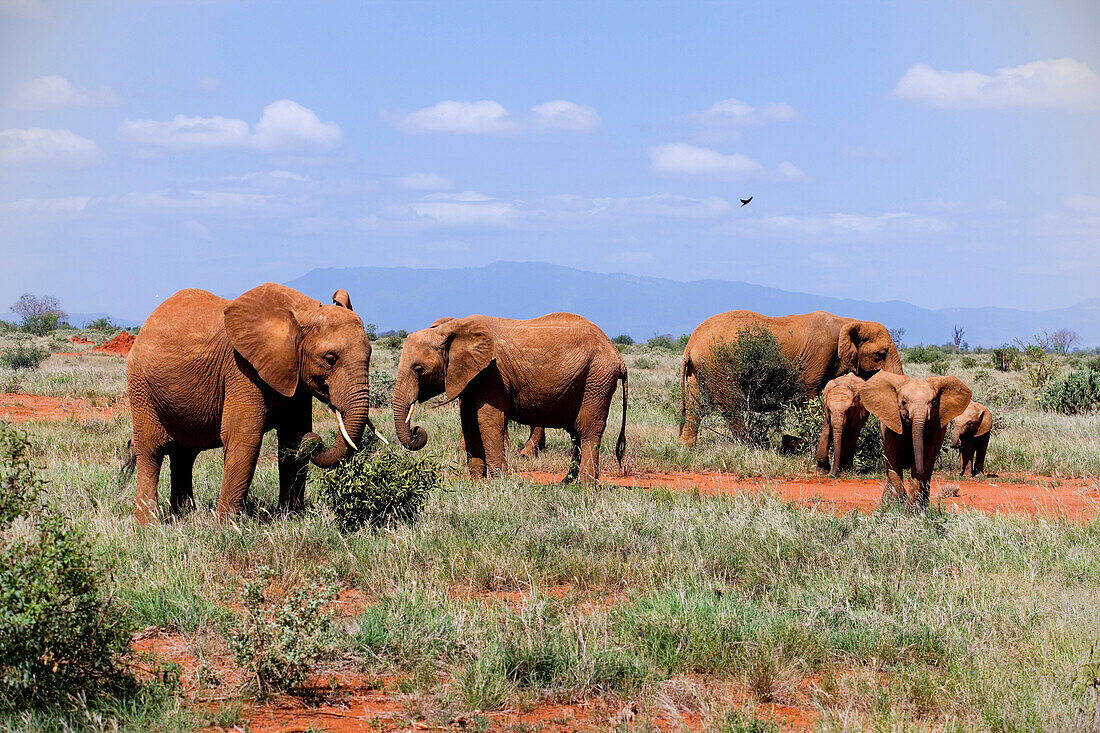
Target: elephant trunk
[919,457]
[353,420]
[405,393]
[838,441]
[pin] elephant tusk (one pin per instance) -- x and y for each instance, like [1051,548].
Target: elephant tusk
[344,431]
[381,437]
[409,417]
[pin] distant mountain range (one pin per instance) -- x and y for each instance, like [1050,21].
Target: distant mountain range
[408,298]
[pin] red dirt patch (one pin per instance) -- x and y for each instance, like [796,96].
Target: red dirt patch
[120,344]
[20,408]
[1031,496]
[80,340]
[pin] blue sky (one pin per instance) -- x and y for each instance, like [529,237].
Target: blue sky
[946,154]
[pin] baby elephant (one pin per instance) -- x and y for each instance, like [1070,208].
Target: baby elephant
[971,437]
[914,414]
[845,416]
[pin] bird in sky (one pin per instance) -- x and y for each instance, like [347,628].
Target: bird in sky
[745,202]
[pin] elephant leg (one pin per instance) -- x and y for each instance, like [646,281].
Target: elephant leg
[689,432]
[148,474]
[822,455]
[574,458]
[181,464]
[894,488]
[292,468]
[980,445]
[492,423]
[471,438]
[966,454]
[536,443]
[242,438]
[590,426]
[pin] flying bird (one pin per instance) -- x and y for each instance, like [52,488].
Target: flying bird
[745,202]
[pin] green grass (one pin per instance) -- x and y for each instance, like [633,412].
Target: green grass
[951,622]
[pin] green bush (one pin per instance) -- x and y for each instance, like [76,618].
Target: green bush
[1005,358]
[63,637]
[922,354]
[102,324]
[939,367]
[373,487]
[278,644]
[622,340]
[644,362]
[1074,394]
[392,341]
[664,343]
[381,388]
[806,420]
[968,362]
[41,324]
[749,384]
[23,356]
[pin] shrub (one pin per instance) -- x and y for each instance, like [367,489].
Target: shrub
[968,362]
[381,388]
[392,341]
[922,354]
[102,324]
[939,367]
[622,340]
[23,356]
[62,635]
[372,487]
[1004,358]
[749,383]
[644,362]
[806,420]
[279,644]
[1074,394]
[664,342]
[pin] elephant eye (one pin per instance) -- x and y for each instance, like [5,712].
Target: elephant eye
[418,369]
[330,358]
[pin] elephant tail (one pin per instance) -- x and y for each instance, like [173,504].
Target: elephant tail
[129,464]
[684,366]
[620,445]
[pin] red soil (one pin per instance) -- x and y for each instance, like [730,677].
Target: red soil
[1032,496]
[80,340]
[20,408]
[120,344]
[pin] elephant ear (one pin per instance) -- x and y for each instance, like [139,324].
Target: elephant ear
[954,397]
[468,349]
[440,321]
[986,423]
[880,397]
[847,347]
[261,326]
[341,298]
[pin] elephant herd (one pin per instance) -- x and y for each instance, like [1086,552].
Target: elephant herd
[205,372]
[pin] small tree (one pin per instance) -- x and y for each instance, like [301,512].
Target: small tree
[896,335]
[957,336]
[40,314]
[1062,340]
[749,383]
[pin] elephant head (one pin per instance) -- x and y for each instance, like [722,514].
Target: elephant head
[294,343]
[845,416]
[865,347]
[442,358]
[975,421]
[918,410]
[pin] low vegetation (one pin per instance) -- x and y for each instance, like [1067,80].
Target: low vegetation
[507,594]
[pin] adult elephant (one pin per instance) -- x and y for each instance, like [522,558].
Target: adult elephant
[914,414]
[557,371]
[826,345]
[206,372]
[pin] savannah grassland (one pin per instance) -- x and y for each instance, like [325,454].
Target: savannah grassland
[507,597]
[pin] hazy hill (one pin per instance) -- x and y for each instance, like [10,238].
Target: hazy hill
[401,297]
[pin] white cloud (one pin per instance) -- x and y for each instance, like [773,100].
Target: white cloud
[835,225]
[487,117]
[47,147]
[468,208]
[733,113]
[288,126]
[565,116]
[425,182]
[173,202]
[285,127]
[57,92]
[31,206]
[671,206]
[690,160]
[1064,84]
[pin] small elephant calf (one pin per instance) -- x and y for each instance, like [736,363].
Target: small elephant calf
[845,416]
[971,437]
